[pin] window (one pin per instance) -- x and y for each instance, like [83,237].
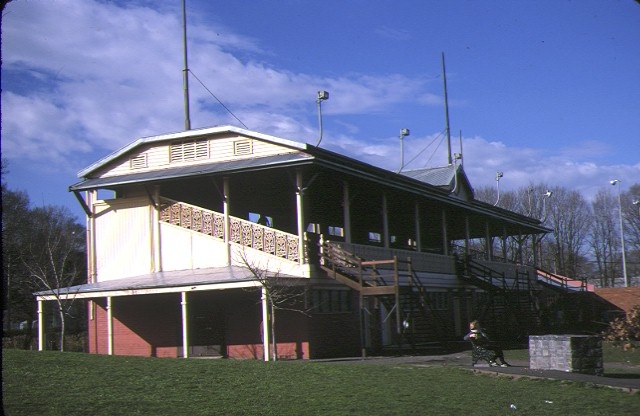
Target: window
[331,301]
[260,219]
[243,147]
[189,150]
[336,231]
[138,162]
[375,237]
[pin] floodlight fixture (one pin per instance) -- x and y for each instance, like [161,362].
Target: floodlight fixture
[322,96]
[403,133]
[498,176]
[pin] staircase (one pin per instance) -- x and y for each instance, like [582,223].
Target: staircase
[511,303]
[393,283]
[231,229]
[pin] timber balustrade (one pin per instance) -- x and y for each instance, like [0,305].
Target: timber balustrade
[243,232]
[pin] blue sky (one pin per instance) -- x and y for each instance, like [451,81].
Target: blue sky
[544,91]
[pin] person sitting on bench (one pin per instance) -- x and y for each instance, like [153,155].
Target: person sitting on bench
[482,348]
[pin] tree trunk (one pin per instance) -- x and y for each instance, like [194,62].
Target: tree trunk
[62,324]
[272,318]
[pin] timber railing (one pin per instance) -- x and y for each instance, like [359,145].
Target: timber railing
[243,232]
[562,282]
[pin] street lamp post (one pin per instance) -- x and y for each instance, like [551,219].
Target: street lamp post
[624,262]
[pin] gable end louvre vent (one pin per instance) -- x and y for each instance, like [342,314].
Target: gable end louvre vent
[243,147]
[138,162]
[188,150]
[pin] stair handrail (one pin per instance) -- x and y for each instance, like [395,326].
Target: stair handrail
[247,233]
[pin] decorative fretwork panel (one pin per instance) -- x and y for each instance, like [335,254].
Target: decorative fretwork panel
[246,233]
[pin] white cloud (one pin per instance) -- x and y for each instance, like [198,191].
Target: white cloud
[114,73]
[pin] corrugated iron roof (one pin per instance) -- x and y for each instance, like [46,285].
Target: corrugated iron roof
[167,279]
[439,176]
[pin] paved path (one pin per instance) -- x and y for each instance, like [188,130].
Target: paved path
[617,375]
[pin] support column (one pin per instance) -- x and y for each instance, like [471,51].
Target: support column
[385,221]
[457,316]
[109,326]
[40,325]
[504,244]
[467,235]
[445,238]
[417,223]
[91,240]
[266,341]
[488,242]
[185,326]
[227,225]
[346,208]
[300,215]
[155,224]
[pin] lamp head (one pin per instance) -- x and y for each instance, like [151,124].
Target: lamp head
[323,95]
[404,133]
[547,194]
[614,182]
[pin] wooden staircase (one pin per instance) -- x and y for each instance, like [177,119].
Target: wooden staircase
[395,285]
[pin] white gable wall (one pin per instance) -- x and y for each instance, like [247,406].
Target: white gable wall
[123,238]
[221,149]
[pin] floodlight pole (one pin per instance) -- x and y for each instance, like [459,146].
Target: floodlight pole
[624,261]
[185,71]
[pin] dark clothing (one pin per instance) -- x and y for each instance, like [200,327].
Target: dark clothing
[483,348]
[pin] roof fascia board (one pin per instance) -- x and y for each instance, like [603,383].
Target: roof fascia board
[292,163]
[150,291]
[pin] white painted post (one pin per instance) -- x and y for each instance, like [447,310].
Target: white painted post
[109,326]
[227,230]
[40,325]
[266,342]
[185,326]
[300,214]
[155,227]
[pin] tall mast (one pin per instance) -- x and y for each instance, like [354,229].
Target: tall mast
[446,110]
[185,71]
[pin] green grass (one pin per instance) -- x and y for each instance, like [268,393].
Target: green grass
[53,383]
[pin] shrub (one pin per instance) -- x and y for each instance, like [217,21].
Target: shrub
[625,331]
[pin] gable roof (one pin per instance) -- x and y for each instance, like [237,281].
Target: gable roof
[438,184]
[182,135]
[451,178]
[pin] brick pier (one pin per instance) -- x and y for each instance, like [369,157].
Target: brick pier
[571,353]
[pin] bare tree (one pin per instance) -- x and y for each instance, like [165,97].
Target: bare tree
[282,293]
[570,217]
[54,256]
[603,238]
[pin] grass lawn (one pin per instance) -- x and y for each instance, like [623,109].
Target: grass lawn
[53,383]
